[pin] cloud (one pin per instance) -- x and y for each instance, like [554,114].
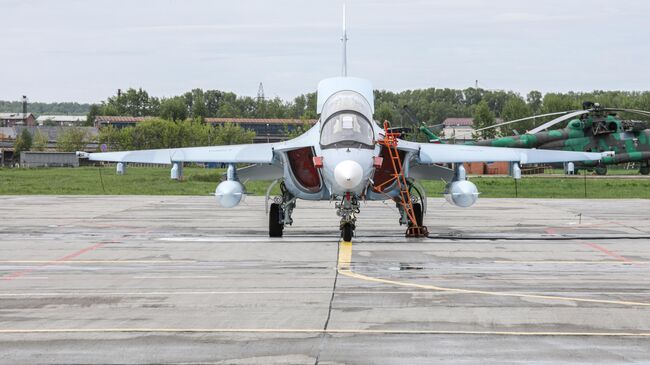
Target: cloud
[230,27]
[522,17]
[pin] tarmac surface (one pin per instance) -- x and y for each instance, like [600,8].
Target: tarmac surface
[124,279]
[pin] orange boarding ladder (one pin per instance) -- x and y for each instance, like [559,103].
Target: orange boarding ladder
[390,144]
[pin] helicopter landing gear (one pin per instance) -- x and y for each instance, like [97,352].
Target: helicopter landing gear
[601,170]
[645,170]
[280,212]
[348,209]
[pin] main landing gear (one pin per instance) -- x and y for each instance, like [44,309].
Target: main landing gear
[601,170]
[348,209]
[645,169]
[280,212]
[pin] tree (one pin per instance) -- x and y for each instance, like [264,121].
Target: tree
[23,142]
[231,133]
[71,139]
[40,141]
[483,117]
[554,102]
[534,100]
[198,104]
[384,112]
[174,108]
[212,100]
[116,139]
[95,110]
[296,130]
[515,108]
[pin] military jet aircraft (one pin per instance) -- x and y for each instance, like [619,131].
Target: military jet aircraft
[344,158]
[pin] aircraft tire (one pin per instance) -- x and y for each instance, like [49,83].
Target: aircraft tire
[601,170]
[346,232]
[275,227]
[417,210]
[645,170]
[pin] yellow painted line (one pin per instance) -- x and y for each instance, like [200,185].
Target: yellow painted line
[351,274]
[320,331]
[345,255]
[96,261]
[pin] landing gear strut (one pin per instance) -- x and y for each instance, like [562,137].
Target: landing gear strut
[280,212]
[348,209]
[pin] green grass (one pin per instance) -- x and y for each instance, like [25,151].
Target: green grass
[200,181]
[554,187]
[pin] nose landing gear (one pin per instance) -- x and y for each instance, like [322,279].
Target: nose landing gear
[347,231]
[348,209]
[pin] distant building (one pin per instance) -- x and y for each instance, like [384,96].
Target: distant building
[118,121]
[461,128]
[458,128]
[16,119]
[61,120]
[48,159]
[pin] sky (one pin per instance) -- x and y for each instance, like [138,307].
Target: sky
[84,50]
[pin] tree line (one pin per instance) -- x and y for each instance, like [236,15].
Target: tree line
[150,134]
[199,104]
[430,105]
[39,108]
[161,133]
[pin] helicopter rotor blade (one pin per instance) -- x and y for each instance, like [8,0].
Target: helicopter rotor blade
[558,120]
[521,120]
[436,127]
[633,111]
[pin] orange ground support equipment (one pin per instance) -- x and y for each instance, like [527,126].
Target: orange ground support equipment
[390,144]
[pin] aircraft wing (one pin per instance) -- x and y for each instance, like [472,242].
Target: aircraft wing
[244,153]
[431,153]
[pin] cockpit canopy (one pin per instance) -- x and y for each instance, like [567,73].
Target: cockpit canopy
[346,121]
[347,128]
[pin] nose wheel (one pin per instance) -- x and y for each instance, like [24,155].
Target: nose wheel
[348,209]
[347,231]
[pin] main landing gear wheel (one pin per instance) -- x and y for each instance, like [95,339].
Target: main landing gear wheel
[417,210]
[275,227]
[644,170]
[601,170]
[347,231]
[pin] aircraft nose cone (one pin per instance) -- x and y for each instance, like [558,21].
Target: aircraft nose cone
[348,174]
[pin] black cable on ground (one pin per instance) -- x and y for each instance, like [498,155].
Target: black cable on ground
[329,309]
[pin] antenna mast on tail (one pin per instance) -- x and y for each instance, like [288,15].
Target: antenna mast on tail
[344,39]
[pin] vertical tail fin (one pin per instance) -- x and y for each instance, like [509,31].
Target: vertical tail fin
[344,39]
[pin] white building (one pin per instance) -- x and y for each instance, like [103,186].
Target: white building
[458,128]
[61,120]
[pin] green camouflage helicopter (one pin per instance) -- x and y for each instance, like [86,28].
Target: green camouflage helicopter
[593,129]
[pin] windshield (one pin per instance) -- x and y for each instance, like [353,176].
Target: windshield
[346,128]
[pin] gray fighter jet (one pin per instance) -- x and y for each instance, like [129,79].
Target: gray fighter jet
[341,159]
